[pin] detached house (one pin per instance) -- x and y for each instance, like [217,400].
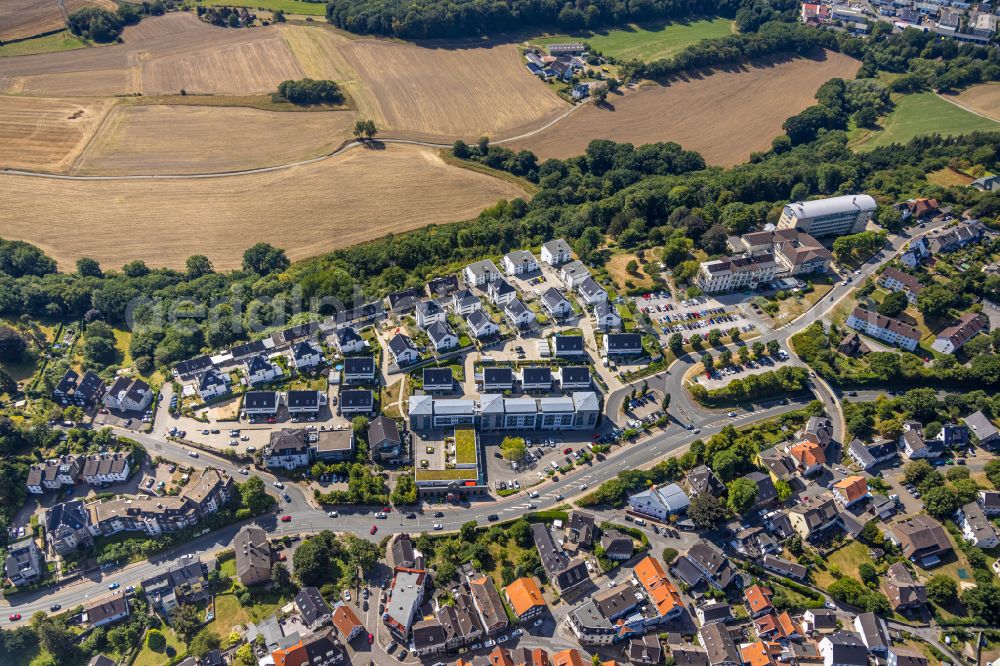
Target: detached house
[922,539]
[384,440]
[661,502]
[525,599]
[261,370]
[25,563]
[312,607]
[442,337]
[574,378]
[360,402]
[869,455]
[518,315]
[809,457]
[260,404]
[850,491]
[606,317]
[213,384]
[302,403]
[591,293]
[986,433]
[349,341]
[977,529]
[573,274]
[481,324]
[519,262]
[843,648]
[556,252]
[555,304]
[480,273]
[498,379]
[288,449]
[568,346]
[464,302]
[501,292]
[403,351]
[253,555]
[623,344]
[813,516]
[428,313]
[128,395]
[902,590]
[306,355]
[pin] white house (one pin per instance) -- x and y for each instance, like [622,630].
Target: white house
[357,402]
[403,350]
[306,355]
[556,252]
[261,370]
[518,315]
[976,527]
[591,293]
[288,449]
[359,370]
[622,344]
[441,337]
[479,273]
[305,402]
[843,648]
[555,304]
[519,262]
[660,502]
[953,338]
[213,384]
[349,341]
[464,302]
[429,312]
[130,395]
[884,328]
[606,317]
[481,325]
[501,292]
[573,274]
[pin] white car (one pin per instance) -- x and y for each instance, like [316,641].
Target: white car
[533,494]
[517,484]
[244,471]
[278,484]
[731,414]
[347,595]
[438,526]
[193,454]
[583,486]
[333,514]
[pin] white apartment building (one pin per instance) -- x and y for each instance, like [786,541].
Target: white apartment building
[736,273]
[836,216]
[884,328]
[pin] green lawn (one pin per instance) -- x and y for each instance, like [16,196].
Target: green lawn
[174,647]
[847,558]
[286,6]
[59,41]
[920,114]
[648,42]
[465,446]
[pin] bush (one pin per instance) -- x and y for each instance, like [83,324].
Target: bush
[155,640]
[669,555]
[311,91]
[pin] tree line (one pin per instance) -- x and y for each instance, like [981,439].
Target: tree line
[103,25]
[466,18]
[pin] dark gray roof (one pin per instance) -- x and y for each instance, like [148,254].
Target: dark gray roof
[260,399]
[248,349]
[356,365]
[624,341]
[438,377]
[500,375]
[311,604]
[309,398]
[362,398]
[536,375]
[400,343]
[568,343]
[383,429]
[438,332]
[575,374]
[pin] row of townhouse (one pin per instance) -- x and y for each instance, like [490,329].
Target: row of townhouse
[301,403]
[70,525]
[477,614]
[494,412]
[96,470]
[125,394]
[534,379]
[260,369]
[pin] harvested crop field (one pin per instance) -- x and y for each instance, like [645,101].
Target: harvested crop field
[26,18]
[209,139]
[358,196]
[983,99]
[428,91]
[160,55]
[725,115]
[46,134]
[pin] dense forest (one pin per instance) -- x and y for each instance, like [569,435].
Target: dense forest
[464,18]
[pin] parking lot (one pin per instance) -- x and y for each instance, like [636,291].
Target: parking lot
[720,377]
[690,316]
[546,455]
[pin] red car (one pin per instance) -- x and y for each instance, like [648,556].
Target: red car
[14,617]
[386,510]
[286,519]
[270,419]
[568,450]
[371,639]
[373,530]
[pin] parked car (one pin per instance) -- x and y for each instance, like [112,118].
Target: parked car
[286,519]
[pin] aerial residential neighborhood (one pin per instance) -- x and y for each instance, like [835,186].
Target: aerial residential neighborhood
[462,333]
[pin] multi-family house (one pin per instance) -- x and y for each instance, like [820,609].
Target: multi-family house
[253,555]
[287,449]
[867,456]
[525,599]
[574,378]
[442,337]
[54,474]
[623,344]
[498,379]
[519,262]
[488,603]
[307,355]
[128,395]
[884,328]
[922,539]
[406,595]
[873,632]
[895,280]
[850,490]
[313,609]
[464,302]
[480,273]
[573,274]
[813,516]
[500,292]
[536,379]
[660,502]
[71,390]
[591,293]
[720,648]
[902,589]
[953,338]
[209,490]
[346,621]
[809,457]
[518,314]
[305,403]
[25,563]
[106,468]
[260,404]
[732,273]
[438,380]
[67,527]
[562,572]
[556,252]
[429,312]
[843,648]
[977,529]
[183,583]
[568,346]
[357,402]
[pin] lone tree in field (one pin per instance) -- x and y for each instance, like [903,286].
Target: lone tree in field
[365,130]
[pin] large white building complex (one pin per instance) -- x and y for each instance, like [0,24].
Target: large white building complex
[836,216]
[737,272]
